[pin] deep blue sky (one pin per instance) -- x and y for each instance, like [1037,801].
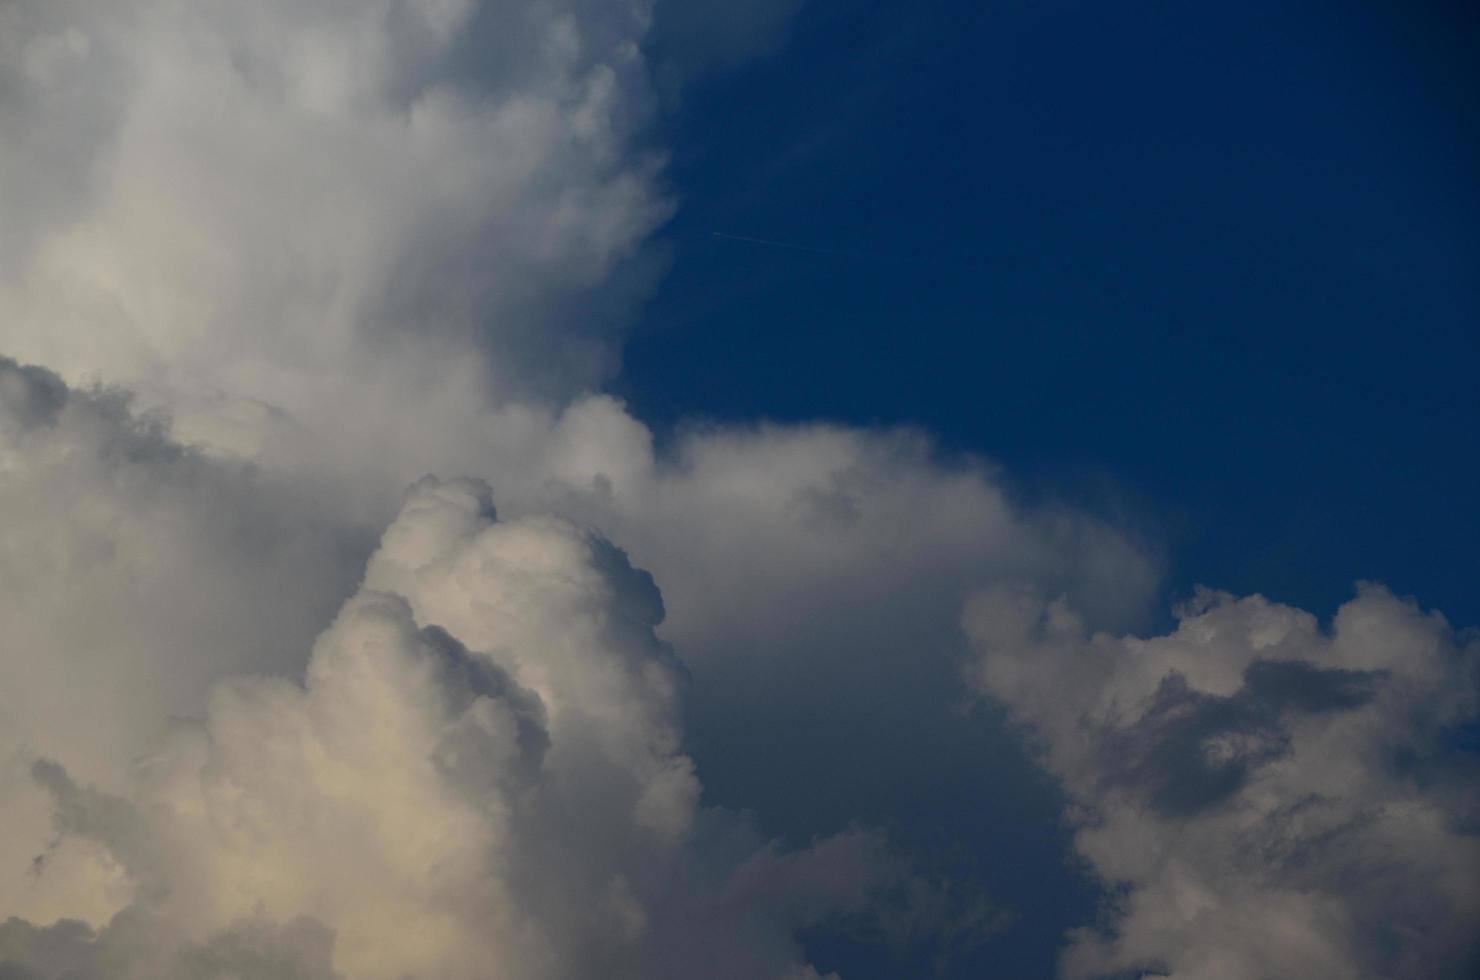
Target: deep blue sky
[1214,268]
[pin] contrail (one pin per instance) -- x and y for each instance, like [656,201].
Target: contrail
[798,248]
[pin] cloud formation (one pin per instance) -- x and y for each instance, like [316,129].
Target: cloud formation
[136,570]
[281,260]
[114,523]
[480,774]
[304,214]
[1265,798]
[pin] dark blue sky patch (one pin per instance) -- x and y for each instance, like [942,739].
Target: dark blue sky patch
[1220,265]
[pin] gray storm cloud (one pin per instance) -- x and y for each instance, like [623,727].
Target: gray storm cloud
[1268,798]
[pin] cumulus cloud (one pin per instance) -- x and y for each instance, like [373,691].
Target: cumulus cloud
[814,577]
[136,573]
[355,217]
[135,570]
[280,261]
[481,772]
[1264,797]
[145,571]
[354,243]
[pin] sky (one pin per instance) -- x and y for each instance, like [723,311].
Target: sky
[1221,259]
[794,490]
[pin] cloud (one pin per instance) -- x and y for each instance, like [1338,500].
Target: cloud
[1263,797]
[353,243]
[136,569]
[324,206]
[137,573]
[480,772]
[283,260]
[320,249]
[146,571]
[814,577]
[135,945]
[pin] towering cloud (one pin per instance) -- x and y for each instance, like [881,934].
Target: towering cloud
[265,266]
[411,783]
[479,775]
[367,218]
[1265,798]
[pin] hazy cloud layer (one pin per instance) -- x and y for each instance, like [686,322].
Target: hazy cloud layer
[1264,797]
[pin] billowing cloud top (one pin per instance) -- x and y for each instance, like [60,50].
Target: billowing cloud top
[503,795]
[267,713]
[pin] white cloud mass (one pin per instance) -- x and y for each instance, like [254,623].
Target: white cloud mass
[265,265]
[314,251]
[371,218]
[479,775]
[1268,799]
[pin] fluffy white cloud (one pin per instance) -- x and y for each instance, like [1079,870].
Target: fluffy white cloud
[136,571]
[1267,798]
[332,246]
[367,218]
[356,242]
[142,572]
[480,774]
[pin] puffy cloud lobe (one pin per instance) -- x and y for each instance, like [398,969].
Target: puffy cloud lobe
[573,614]
[1266,798]
[425,810]
[135,573]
